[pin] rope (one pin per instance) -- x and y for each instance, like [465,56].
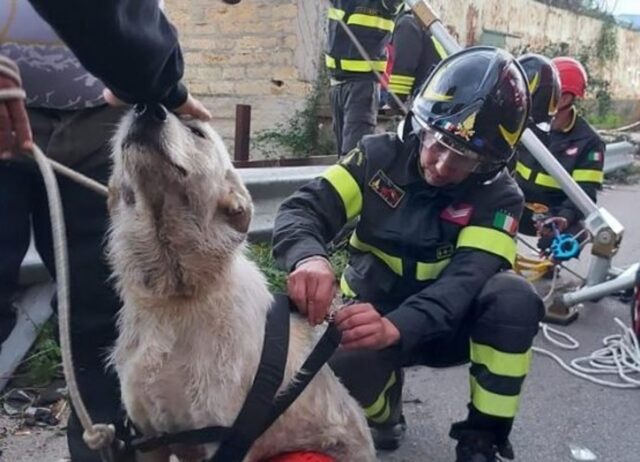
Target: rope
[620,356]
[97,436]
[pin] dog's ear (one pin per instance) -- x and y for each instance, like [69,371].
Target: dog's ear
[235,204]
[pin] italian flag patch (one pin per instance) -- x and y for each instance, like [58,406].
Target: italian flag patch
[595,156]
[505,222]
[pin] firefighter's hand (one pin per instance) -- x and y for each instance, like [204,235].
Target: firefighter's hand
[545,228]
[191,107]
[15,132]
[363,327]
[312,287]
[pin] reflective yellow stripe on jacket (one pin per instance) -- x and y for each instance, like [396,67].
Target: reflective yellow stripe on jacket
[364,20]
[394,263]
[593,176]
[490,240]
[401,84]
[347,188]
[523,170]
[355,65]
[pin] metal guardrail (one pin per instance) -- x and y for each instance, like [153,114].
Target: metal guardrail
[617,156]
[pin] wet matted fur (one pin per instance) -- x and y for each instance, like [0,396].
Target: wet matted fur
[192,325]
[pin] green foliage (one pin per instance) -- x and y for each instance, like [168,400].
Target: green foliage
[593,57]
[300,135]
[277,279]
[44,362]
[605,122]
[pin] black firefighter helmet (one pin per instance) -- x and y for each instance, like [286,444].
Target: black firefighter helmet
[544,85]
[478,98]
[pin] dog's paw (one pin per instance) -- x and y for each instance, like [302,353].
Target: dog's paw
[236,203]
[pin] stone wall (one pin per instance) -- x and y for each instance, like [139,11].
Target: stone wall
[266,52]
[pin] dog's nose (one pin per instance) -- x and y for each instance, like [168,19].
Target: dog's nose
[153,111]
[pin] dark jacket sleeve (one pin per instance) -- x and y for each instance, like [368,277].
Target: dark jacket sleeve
[588,174]
[315,214]
[407,42]
[128,44]
[485,246]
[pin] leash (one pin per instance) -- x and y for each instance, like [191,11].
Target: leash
[99,437]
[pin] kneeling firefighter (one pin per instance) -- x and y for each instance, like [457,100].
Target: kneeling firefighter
[428,280]
[571,140]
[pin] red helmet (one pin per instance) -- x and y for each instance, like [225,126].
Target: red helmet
[573,77]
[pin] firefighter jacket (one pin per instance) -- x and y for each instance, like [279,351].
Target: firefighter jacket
[581,152]
[419,254]
[371,21]
[415,54]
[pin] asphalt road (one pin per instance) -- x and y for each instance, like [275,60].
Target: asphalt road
[558,411]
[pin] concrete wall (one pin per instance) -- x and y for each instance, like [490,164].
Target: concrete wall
[266,52]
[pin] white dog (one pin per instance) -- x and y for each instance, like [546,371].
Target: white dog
[192,325]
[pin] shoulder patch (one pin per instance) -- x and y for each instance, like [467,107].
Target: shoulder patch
[595,156]
[386,189]
[459,214]
[506,222]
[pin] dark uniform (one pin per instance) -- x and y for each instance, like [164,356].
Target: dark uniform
[354,86]
[581,152]
[430,259]
[415,54]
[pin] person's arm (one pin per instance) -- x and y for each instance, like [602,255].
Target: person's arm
[128,44]
[484,247]
[306,222]
[315,214]
[588,173]
[407,46]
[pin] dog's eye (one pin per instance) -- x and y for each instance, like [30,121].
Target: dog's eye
[197,132]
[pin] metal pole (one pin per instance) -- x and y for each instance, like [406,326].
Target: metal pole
[243,132]
[625,281]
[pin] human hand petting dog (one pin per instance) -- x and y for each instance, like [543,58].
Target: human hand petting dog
[191,107]
[312,287]
[363,327]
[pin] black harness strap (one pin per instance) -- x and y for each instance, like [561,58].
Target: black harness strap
[256,410]
[323,350]
[260,410]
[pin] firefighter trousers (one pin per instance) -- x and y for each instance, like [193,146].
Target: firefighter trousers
[495,337]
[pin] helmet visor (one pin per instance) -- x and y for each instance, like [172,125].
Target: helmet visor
[456,155]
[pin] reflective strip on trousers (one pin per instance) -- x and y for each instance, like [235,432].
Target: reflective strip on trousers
[493,404]
[347,188]
[501,363]
[380,410]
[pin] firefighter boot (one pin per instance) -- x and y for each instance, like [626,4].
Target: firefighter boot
[479,446]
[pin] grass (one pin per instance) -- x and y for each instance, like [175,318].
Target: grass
[44,361]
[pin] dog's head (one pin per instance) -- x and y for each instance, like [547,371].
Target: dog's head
[178,209]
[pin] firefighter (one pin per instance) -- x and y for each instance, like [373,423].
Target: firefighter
[355,89]
[415,54]
[428,280]
[576,145]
